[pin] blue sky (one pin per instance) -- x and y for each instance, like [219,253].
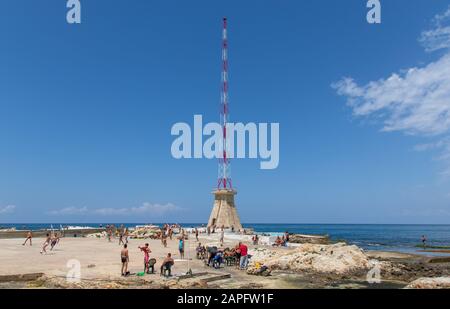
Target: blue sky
[86,110]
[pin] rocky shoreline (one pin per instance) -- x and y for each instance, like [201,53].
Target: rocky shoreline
[341,262]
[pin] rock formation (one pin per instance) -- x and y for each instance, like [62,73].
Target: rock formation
[309,239]
[337,259]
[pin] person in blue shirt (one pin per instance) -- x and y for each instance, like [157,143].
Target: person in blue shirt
[181,247]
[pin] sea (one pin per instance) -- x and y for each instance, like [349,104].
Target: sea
[385,237]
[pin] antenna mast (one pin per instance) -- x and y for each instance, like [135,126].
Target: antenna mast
[224,177]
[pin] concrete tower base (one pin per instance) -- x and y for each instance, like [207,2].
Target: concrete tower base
[224,213]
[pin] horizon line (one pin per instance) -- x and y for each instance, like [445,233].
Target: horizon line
[205,223]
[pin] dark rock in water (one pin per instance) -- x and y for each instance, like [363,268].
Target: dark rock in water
[309,239]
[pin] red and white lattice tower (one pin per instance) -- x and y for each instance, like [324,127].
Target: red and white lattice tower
[224,213]
[224,177]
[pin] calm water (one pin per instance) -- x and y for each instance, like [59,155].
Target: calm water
[390,237]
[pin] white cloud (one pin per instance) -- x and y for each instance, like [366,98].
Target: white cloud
[438,37]
[69,211]
[414,101]
[7,209]
[145,208]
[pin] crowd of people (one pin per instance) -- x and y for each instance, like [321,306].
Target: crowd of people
[215,257]
[212,255]
[282,241]
[120,232]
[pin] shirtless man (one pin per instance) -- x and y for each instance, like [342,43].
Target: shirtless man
[29,237]
[167,263]
[125,259]
[54,241]
[146,250]
[170,233]
[48,239]
[121,238]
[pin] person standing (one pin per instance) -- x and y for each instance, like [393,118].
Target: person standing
[109,231]
[170,233]
[146,250]
[221,237]
[125,234]
[244,255]
[124,257]
[164,238]
[424,241]
[196,234]
[121,238]
[29,237]
[181,247]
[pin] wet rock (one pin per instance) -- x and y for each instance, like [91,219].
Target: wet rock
[308,239]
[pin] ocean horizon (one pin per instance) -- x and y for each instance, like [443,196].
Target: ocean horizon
[385,237]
